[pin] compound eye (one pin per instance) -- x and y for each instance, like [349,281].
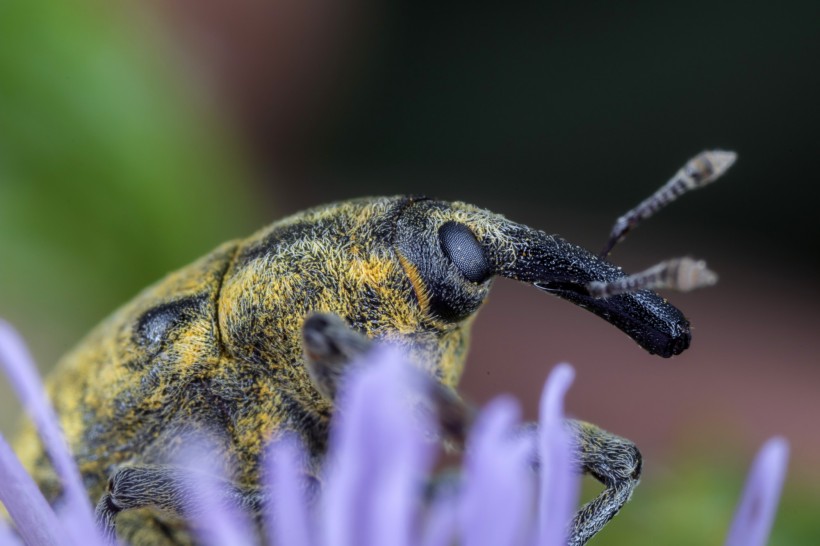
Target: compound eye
[464,250]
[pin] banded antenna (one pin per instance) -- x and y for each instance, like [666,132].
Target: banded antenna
[682,274]
[701,170]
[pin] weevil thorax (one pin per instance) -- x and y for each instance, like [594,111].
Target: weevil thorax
[379,263]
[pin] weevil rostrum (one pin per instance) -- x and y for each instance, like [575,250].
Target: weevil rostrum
[245,343]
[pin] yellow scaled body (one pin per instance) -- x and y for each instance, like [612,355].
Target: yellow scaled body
[217,345]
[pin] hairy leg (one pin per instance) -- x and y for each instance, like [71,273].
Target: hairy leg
[330,346]
[170,490]
[613,461]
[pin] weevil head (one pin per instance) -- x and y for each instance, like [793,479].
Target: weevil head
[413,271]
[458,249]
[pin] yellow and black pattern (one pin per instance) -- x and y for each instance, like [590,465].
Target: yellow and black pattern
[218,342]
[217,345]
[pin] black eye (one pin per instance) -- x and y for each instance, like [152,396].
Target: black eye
[464,250]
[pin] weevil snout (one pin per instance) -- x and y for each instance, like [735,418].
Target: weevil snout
[561,268]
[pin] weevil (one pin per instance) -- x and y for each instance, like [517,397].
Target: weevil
[247,341]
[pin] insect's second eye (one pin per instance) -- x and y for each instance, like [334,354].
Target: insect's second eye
[464,250]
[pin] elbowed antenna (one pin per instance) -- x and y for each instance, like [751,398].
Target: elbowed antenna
[701,170]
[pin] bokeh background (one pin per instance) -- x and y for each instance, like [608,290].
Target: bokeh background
[135,137]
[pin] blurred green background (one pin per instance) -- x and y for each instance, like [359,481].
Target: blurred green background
[135,137]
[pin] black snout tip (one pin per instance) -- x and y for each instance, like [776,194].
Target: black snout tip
[678,342]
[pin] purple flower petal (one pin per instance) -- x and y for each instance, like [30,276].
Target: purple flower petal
[7,536]
[755,514]
[498,494]
[213,518]
[559,484]
[287,517]
[442,521]
[31,513]
[379,456]
[20,369]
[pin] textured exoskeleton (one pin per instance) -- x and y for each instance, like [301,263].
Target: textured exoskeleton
[218,345]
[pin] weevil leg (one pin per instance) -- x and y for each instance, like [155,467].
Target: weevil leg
[106,513]
[613,461]
[168,488]
[330,346]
